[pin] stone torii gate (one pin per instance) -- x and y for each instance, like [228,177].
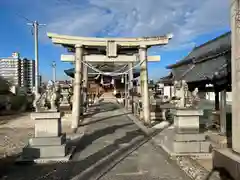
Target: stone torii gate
[105,50]
[229,158]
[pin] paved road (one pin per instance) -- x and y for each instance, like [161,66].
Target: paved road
[113,148]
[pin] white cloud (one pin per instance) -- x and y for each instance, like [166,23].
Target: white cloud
[186,19]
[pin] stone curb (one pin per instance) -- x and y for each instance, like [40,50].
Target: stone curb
[189,166]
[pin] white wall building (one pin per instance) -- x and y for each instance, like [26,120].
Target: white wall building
[165,90]
[20,72]
[211,96]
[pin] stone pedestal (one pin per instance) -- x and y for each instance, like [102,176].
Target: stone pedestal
[156,113]
[67,117]
[186,120]
[183,138]
[48,144]
[65,105]
[227,161]
[64,102]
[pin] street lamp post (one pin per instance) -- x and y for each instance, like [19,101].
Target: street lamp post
[54,71]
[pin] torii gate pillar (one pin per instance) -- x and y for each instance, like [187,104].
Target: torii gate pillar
[85,85]
[77,98]
[228,159]
[144,84]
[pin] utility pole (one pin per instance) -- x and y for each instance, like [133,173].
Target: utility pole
[126,92]
[54,71]
[35,26]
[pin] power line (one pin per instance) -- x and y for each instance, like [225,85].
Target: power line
[35,28]
[23,17]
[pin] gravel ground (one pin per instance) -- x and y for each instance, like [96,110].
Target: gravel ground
[14,133]
[15,130]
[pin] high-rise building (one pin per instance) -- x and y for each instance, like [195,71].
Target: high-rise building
[27,74]
[19,72]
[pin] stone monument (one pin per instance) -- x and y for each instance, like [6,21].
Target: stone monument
[184,137]
[155,114]
[65,98]
[66,103]
[48,143]
[186,112]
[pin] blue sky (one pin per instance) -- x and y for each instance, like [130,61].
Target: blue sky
[191,22]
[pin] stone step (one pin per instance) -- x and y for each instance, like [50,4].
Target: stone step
[44,151]
[189,137]
[187,147]
[47,141]
[191,147]
[198,144]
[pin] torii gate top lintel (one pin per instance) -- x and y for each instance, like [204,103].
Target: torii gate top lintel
[67,40]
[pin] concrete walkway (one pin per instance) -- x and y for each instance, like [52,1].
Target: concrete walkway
[113,148]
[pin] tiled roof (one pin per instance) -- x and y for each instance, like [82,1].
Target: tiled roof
[209,61]
[210,48]
[206,70]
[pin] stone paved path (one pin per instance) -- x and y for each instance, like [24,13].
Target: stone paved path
[110,139]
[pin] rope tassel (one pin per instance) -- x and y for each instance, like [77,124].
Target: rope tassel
[122,80]
[101,80]
[112,82]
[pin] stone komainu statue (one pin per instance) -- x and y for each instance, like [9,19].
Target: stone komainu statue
[193,99]
[183,97]
[179,93]
[49,99]
[39,101]
[55,97]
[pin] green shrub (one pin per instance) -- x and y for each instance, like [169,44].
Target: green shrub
[18,102]
[4,85]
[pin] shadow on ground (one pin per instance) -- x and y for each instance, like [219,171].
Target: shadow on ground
[4,119]
[97,109]
[74,167]
[101,119]
[223,174]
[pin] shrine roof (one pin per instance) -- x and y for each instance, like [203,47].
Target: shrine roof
[206,50]
[166,79]
[203,71]
[209,62]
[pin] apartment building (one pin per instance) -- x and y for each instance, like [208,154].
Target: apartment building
[20,72]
